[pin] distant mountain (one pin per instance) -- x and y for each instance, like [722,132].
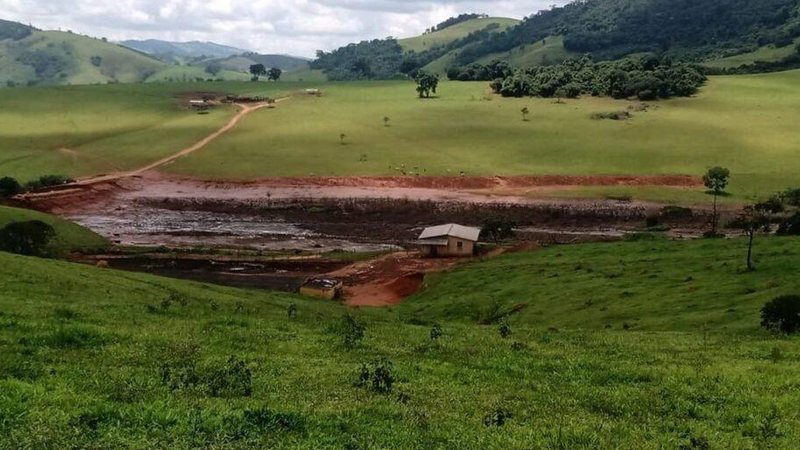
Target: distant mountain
[182,50]
[242,62]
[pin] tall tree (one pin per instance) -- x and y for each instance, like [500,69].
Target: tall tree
[258,70]
[716,180]
[756,218]
[426,84]
[274,74]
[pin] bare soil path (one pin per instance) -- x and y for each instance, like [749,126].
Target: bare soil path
[244,111]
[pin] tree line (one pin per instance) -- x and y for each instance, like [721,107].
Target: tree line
[647,78]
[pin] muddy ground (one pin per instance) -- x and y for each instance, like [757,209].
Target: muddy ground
[314,216]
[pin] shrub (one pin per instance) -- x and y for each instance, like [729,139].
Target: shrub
[291,311]
[48,181]
[436,332]
[505,330]
[676,213]
[791,226]
[351,330]
[28,238]
[377,376]
[614,115]
[782,314]
[233,379]
[9,187]
[497,418]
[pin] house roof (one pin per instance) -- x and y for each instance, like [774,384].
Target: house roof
[453,230]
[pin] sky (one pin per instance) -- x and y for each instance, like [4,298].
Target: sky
[296,27]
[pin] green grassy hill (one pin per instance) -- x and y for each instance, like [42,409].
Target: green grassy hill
[54,57]
[651,285]
[104,359]
[69,237]
[768,53]
[454,32]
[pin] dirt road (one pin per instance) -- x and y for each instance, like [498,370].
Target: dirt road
[244,110]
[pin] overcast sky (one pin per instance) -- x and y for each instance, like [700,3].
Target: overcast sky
[298,27]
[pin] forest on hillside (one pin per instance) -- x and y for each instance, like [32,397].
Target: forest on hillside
[684,30]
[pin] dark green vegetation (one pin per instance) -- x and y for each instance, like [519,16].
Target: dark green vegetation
[683,30]
[782,314]
[68,237]
[97,358]
[646,78]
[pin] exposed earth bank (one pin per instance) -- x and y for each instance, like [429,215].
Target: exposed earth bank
[314,216]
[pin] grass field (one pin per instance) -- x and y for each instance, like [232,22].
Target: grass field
[466,129]
[427,41]
[655,285]
[766,54]
[85,130]
[101,359]
[69,237]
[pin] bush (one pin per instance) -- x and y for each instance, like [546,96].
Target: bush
[233,379]
[9,187]
[351,330]
[28,238]
[436,332]
[377,376]
[791,226]
[676,213]
[782,314]
[505,330]
[48,181]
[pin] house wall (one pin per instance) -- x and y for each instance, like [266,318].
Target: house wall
[452,248]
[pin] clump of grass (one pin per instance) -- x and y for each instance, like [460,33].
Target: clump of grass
[232,379]
[612,115]
[64,313]
[497,417]
[71,337]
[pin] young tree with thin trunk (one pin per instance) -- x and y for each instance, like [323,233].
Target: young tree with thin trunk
[716,180]
[525,111]
[757,218]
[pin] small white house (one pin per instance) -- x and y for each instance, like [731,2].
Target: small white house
[449,240]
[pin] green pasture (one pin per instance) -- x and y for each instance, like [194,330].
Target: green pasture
[746,123]
[86,130]
[651,285]
[94,358]
[768,53]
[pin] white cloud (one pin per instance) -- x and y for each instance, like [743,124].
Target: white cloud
[270,26]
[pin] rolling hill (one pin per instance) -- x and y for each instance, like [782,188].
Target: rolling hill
[52,57]
[686,30]
[95,358]
[242,62]
[182,50]
[455,32]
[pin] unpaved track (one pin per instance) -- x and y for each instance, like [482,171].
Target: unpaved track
[245,109]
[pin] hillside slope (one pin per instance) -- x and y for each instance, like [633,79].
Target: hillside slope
[69,236]
[651,285]
[691,30]
[454,32]
[182,50]
[54,57]
[95,358]
[242,62]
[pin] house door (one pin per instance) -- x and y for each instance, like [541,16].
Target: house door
[434,251]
